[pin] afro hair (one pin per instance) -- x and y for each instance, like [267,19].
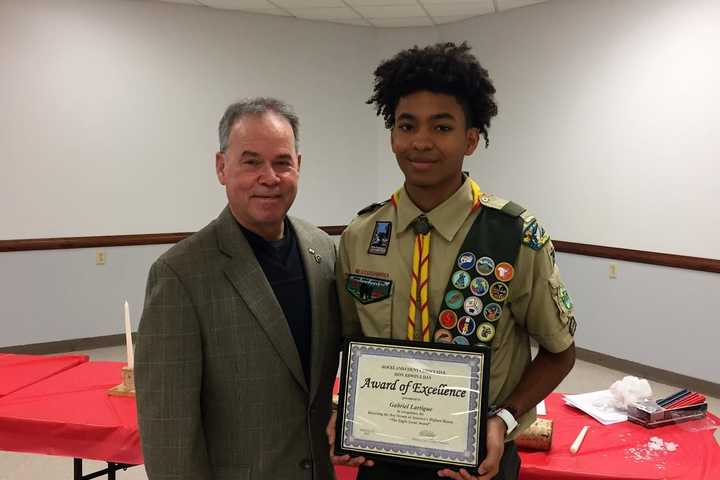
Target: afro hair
[444,68]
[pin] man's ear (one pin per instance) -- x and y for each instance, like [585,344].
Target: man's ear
[472,138]
[220,167]
[299,157]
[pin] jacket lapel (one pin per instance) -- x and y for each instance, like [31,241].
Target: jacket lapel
[313,264]
[246,275]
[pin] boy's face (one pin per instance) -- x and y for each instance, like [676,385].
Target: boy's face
[430,139]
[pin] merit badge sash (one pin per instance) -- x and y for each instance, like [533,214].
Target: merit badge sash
[480,280]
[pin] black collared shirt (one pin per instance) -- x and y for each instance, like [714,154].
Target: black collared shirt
[283,267]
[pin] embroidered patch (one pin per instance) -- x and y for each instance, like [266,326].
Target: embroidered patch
[460,279]
[466,325]
[448,319]
[504,272]
[479,286]
[492,312]
[499,291]
[454,299]
[473,306]
[565,298]
[485,332]
[380,240]
[572,325]
[443,336]
[535,236]
[485,266]
[466,260]
[368,289]
[461,340]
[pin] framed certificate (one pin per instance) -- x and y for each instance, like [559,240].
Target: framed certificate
[413,402]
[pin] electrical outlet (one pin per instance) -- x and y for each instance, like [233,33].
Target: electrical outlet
[612,272]
[100,257]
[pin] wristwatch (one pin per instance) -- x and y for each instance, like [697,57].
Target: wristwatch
[506,416]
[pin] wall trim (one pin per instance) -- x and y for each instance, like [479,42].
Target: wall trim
[615,253]
[651,373]
[639,256]
[70,345]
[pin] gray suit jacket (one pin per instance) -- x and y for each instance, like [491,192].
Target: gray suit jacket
[220,389]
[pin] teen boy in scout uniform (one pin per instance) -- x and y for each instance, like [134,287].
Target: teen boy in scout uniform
[444,261]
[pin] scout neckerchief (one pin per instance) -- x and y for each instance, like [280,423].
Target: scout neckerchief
[420,276]
[479,283]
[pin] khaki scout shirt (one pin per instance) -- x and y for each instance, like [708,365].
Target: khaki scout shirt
[533,308]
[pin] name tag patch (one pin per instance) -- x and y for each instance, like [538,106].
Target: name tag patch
[368,289]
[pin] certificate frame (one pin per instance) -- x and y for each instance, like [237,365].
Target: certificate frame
[397,356]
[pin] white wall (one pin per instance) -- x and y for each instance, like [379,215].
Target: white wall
[110,112]
[607,117]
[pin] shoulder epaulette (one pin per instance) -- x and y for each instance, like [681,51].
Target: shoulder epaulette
[507,207]
[534,234]
[372,207]
[528,218]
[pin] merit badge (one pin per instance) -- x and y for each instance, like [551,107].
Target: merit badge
[485,332]
[499,291]
[460,279]
[479,286]
[454,299]
[466,260]
[485,266]
[565,298]
[461,340]
[492,312]
[535,236]
[504,272]
[443,336]
[448,319]
[368,289]
[466,325]
[380,240]
[473,306]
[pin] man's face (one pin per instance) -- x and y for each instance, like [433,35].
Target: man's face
[260,170]
[430,139]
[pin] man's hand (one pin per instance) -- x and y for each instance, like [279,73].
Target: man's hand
[491,465]
[342,459]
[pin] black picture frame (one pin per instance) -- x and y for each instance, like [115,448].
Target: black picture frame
[341,445]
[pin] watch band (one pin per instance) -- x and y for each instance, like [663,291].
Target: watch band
[507,417]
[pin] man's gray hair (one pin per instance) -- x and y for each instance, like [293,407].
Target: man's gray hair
[258,105]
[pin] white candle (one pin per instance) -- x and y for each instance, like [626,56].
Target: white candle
[128,337]
[578,440]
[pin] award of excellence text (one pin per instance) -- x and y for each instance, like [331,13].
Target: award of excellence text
[412,386]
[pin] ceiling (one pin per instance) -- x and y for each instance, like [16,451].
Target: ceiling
[374,13]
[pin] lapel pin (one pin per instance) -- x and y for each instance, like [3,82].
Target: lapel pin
[317,257]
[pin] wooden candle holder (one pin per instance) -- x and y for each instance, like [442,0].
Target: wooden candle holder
[127,387]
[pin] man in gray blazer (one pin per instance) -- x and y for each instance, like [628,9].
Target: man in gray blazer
[238,344]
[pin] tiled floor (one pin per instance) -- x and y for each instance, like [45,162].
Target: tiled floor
[585,377]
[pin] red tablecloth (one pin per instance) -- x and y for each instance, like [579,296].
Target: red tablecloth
[70,414]
[19,371]
[619,451]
